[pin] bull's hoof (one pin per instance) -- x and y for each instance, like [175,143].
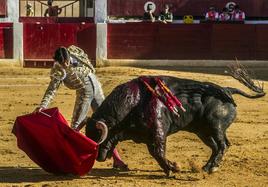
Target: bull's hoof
[210,170]
[168,173]
[213,169]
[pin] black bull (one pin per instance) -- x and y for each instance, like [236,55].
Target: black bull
[131,112]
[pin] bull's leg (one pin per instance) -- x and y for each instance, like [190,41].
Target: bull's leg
[210,142]
[227,142]
[159,128]
[158,152]
[216,140]
[222,115]
[220,140]
[219,116]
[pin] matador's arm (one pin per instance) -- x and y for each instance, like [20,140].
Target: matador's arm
[57,75]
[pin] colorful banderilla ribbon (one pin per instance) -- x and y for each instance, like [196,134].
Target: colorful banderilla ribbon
[170,101]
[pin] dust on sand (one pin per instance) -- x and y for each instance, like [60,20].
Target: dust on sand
[244,164]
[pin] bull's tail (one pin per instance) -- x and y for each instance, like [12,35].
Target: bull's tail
[240,92]
[239,73]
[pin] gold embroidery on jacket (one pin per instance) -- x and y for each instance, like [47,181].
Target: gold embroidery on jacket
[73,77]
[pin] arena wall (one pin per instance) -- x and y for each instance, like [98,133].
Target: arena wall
[42,39]
[100,11]
[18,42]
[12,14]
[181,42]
[101,51]
[253,8]
[11,35]
[6,40]
[137,41]
[3,8]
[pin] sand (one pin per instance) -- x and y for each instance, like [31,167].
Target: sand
[244,164]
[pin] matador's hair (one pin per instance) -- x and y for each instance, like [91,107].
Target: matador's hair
[61,55]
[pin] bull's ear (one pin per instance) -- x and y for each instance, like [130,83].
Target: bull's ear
[104,131]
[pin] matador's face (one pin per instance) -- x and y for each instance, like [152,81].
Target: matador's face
[65,64]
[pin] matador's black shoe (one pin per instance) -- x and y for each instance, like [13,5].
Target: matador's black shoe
[121,167]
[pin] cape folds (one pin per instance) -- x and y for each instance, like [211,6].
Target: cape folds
[48,140]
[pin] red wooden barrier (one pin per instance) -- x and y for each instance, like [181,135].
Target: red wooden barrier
[3,8]
[6,40]
[86,38]
[253,8]
[56,19]
[178,41]
[233,40]
[158,41]
[132,41]
[261,42]
[183,41]
[41,40]
[2,51]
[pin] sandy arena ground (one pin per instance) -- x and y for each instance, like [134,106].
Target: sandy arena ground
[245,163]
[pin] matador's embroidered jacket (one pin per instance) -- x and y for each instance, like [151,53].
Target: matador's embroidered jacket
[79,76]
[75,77]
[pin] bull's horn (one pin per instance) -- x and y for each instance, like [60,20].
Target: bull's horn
[104,131]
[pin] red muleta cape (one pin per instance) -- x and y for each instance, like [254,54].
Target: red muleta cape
[53,145]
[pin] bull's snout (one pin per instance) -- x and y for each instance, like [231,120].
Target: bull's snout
[102,155]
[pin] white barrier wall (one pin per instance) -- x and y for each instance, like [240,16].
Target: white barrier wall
[100,20]
[101,51]
[12,11]
[18,41]
[100,11]
[13,17]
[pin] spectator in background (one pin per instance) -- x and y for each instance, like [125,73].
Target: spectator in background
[231,9]
[52,11]
[29,10]
[166,16]
[224,16]
[238,15]
[212,14]
[149,15]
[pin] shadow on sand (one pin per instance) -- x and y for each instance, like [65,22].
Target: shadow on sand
[26,174]
[142,174]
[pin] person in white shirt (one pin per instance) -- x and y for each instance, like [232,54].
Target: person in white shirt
[238,14]
[224,16]
[212,14]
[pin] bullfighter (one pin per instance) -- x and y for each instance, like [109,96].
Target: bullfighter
[73,68]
